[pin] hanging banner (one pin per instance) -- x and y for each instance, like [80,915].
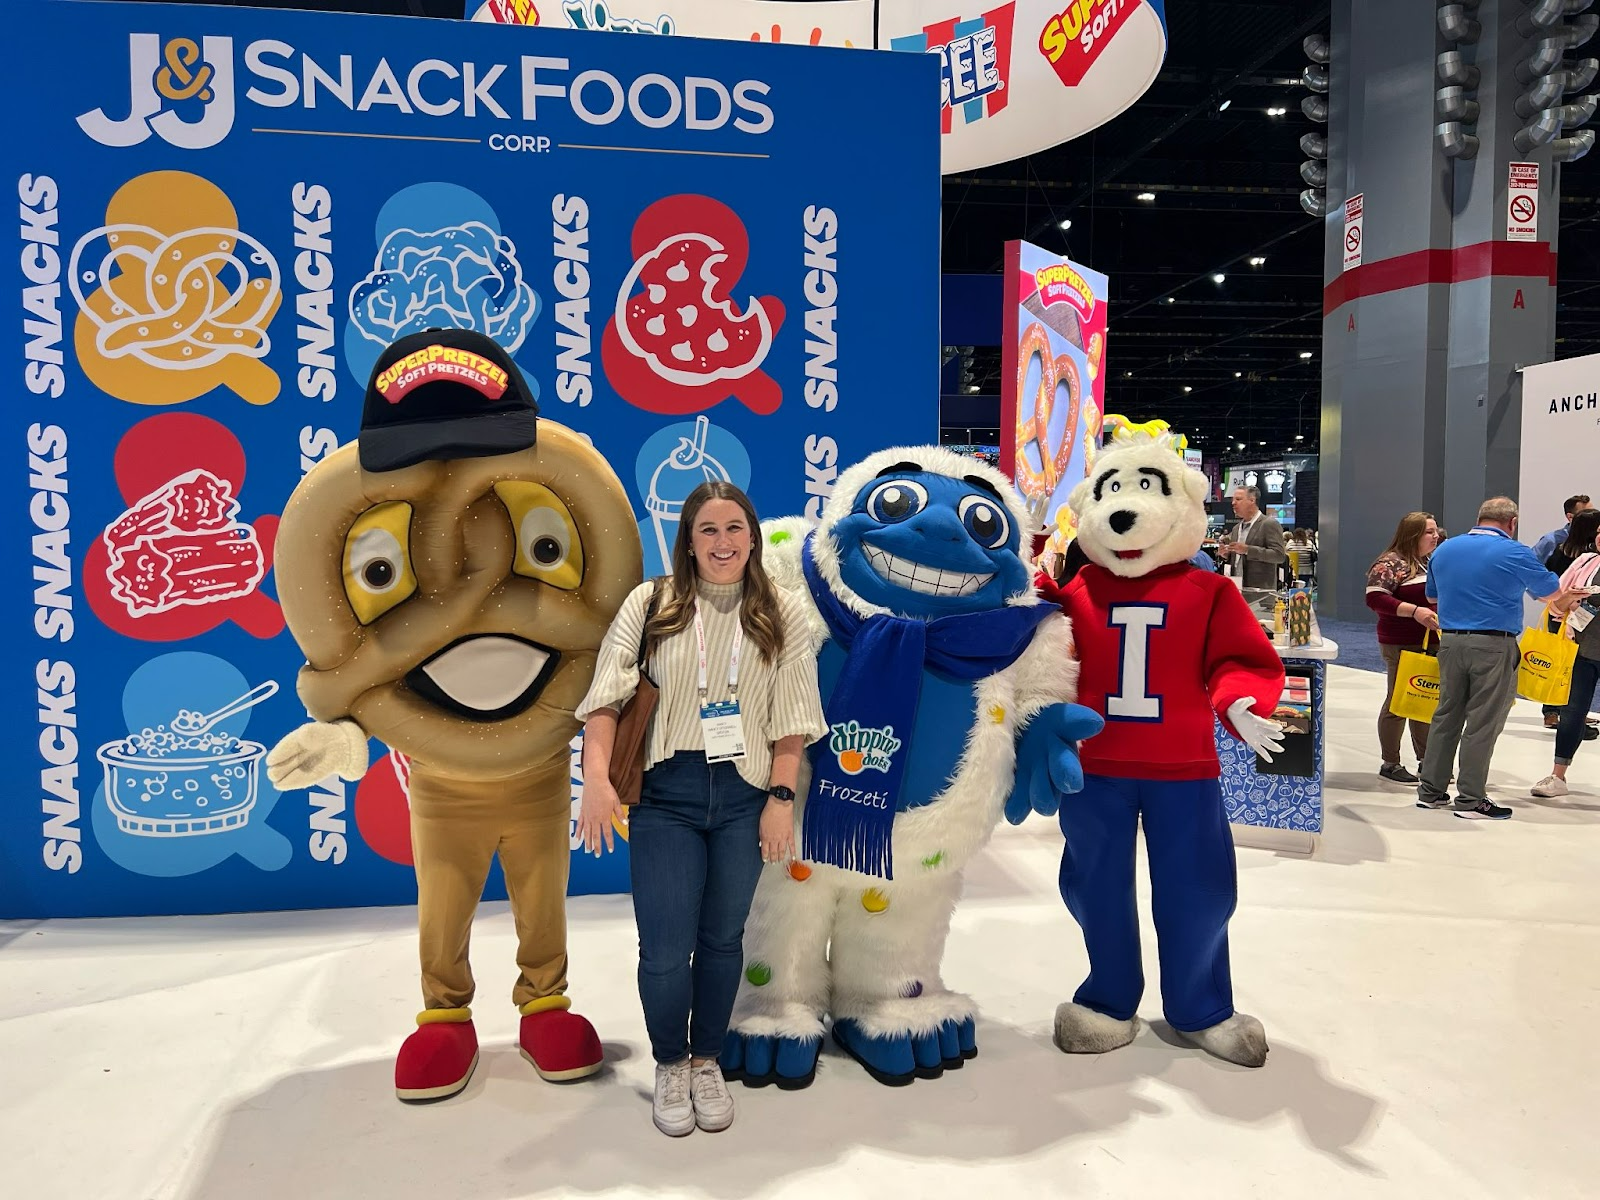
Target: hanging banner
[1522,202]
[1053,372]
[227,213]
[1017,77]
[1353,231]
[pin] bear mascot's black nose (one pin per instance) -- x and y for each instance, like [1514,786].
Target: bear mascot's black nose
[1122,520]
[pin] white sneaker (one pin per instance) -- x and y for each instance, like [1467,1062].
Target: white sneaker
[713,1106]
[672,1110]
[1550,786]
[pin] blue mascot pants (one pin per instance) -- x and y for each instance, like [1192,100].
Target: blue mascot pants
[1193,888]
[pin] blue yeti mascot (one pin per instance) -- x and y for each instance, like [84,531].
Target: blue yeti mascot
[935,655]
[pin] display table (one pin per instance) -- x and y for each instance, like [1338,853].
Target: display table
[1279,807]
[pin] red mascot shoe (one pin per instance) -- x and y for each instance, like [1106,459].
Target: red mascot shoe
[438,1059]
[561,1045]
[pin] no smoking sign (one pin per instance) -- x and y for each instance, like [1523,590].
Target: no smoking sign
[1522,203]
[1353,218]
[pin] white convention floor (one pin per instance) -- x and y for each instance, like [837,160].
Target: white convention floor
[1431,987]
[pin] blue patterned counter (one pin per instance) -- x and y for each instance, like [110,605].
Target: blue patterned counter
[1280,812]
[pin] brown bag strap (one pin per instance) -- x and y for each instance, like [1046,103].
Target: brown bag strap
[649,611]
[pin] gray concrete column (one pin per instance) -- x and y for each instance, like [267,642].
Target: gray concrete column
[1421,400]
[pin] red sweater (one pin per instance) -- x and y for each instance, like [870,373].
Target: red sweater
[1157,656]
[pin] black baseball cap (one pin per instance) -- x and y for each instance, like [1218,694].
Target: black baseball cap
[443,394]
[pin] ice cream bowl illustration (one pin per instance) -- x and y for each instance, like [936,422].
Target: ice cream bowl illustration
[165,784]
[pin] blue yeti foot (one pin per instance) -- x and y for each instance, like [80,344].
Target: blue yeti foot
[757,1061]
[890,1060]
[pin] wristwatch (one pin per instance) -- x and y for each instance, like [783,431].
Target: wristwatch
[783,795]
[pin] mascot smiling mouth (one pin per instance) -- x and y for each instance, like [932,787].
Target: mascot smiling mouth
[485,677]
[920,577]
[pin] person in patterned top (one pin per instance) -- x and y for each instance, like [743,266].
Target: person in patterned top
[1397,592]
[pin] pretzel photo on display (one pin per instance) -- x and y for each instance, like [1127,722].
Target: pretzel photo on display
[1033,429]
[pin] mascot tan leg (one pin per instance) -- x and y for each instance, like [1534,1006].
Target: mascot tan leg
[452,856]
[535,855]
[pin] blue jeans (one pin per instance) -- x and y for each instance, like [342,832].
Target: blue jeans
[694,841]
[1575,713]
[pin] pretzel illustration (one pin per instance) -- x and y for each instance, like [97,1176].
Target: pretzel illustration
[1034,429]
[176,301]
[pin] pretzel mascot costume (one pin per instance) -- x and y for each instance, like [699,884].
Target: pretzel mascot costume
[449,577]
[1161,648]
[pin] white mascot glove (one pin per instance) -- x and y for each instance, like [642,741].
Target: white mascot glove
[315,751]
[1261,735]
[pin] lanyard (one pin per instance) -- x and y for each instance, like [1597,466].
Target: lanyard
[733,654]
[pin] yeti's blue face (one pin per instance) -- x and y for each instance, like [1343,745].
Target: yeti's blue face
[927,545]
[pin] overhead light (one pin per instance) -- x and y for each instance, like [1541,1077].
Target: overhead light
[1238,374]
[1170,300]
[1066,224]
[1223,107]
[1261,443]
[1299,437]
[1258,261]
[1188,389]
[1147,197]
[973,389]
[1305,354]
[1276,112]
[1127,374]
[1241,445]
[1219,277]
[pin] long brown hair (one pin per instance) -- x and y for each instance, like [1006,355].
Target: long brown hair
[1580,537]
[1408,536]
[758,607]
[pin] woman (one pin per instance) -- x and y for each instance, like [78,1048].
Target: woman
[1397,590]
[1572,730]
[1580,541]
[718,789]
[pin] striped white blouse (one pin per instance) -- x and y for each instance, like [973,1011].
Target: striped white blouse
[776,700]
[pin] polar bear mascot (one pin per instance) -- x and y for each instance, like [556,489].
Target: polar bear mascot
[935,656]
[1161,648]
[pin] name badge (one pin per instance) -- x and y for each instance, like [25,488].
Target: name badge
[723,731]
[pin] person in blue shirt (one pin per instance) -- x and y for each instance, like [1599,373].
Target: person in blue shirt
[1546,546]
[1477,582]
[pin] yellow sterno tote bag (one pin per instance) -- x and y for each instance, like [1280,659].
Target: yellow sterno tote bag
[1545,672]
[1416,684]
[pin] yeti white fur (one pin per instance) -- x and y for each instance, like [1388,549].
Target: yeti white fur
[855,945]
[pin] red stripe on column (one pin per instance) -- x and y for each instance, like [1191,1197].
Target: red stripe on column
[1520,259]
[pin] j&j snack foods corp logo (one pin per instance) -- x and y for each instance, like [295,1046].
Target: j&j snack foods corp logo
[1059,284]
[180,91]
[974,62]
[1074,38]
[863,749]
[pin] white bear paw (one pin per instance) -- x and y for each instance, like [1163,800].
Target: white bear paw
[1081,1030]
[1240,1039]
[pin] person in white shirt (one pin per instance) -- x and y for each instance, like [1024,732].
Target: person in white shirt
[738,704]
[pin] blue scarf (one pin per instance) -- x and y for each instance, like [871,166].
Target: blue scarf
[857,767]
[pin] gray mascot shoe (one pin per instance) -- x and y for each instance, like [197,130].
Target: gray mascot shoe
[1081,1030]
[1240,1039]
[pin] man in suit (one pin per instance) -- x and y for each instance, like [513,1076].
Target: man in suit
[1254,548]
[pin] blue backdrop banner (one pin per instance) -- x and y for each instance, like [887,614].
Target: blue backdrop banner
[225,214]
